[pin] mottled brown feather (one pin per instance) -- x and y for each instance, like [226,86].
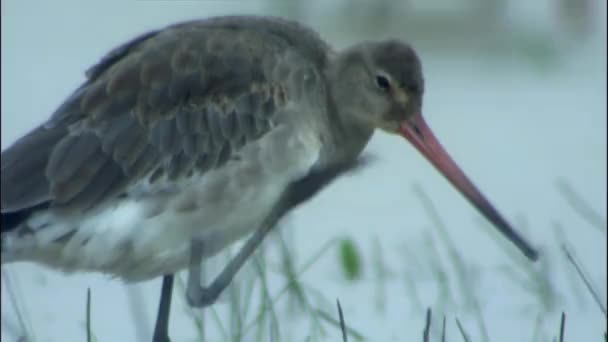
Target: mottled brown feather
[167,103]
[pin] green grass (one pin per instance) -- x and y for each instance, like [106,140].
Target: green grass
[260,312]
[350,259]
[24,329]
[465,278]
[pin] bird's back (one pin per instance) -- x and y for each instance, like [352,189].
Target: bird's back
[224,65]
[160,114]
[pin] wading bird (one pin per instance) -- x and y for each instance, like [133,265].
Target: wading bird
[186,139]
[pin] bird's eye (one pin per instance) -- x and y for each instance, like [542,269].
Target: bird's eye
[383,83]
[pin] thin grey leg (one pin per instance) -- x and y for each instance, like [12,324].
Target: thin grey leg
[161,330]
[199,296]
[297,193]
[193,287]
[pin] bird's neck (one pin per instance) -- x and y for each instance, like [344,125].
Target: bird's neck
[347,134]
[346,138]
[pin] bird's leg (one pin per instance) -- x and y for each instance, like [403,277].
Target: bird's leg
[193,287]
[161,329]
[297,193]
[199,296]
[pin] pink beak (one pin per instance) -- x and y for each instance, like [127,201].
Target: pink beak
[417,132]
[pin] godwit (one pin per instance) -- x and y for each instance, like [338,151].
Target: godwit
[186,139]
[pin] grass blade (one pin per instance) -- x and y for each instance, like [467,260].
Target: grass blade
[88,314]
[443,330]
[342,324]
[381,275]
[464,334]
[331,320]
[462,268]
[575,285]
[197,317]
[585,279]
[12,287]
[581,206]
[426,334]
[316,256]
[561,327]
[266,307]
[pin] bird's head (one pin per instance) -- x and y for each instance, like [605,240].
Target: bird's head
[380,85]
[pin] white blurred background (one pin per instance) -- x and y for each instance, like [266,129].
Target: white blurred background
[516,91]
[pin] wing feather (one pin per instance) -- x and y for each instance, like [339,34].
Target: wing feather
[71,153]
[166,104]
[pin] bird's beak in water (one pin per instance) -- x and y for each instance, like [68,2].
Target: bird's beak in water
[416,131]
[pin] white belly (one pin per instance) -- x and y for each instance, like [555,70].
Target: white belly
[144,237]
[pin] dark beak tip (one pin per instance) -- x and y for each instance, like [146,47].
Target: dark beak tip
[533,255]
[526,249]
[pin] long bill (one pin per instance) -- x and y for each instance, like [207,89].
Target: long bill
[418,133]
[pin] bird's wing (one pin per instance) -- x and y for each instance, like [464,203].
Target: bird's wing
[170,103]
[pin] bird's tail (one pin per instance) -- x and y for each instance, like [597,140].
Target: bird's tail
[8,233]
[15,233]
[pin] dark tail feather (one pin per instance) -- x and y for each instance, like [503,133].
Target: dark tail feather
[10,221]
[23,177]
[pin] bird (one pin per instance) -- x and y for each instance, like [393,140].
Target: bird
[188,138]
